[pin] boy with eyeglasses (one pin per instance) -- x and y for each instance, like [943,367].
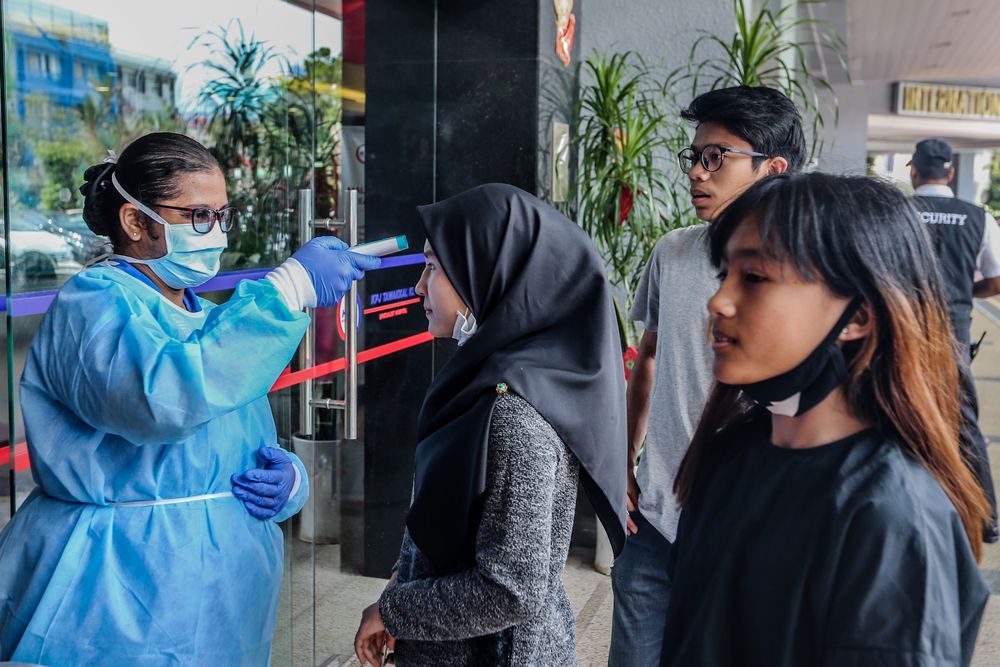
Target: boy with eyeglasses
[742,135]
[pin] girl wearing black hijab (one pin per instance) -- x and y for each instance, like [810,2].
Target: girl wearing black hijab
[533,400]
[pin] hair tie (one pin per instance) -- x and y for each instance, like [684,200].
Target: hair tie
[98,182]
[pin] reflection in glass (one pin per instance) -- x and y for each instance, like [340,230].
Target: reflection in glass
[243,86]
[261,84]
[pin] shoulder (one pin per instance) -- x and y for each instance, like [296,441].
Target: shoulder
[978,213]
[971,204]
[93,291]
[96,278]
[686,248]
[680,246]
[889,491]
[515,422]
[512,411]
[684,239]
[88,303]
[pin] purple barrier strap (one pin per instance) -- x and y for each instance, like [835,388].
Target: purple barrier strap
[229,280]
[36,303]
[32,303]
[402,260]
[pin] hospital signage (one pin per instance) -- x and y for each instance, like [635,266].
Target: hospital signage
[924,99]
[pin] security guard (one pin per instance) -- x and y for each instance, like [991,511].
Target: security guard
[966,240]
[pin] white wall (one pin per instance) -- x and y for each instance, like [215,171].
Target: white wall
[846,148]
[662,31]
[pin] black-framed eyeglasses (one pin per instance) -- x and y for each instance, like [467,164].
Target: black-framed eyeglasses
[203,219]
[711,157]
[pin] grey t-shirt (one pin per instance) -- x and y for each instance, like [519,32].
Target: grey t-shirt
[671,300]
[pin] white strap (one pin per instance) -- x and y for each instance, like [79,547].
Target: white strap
[174,501]
[292,281]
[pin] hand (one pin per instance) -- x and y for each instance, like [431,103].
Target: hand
[372,638]
[632,501]
[332,268]
[265,490]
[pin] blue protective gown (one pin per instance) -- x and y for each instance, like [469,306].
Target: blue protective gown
[127,397]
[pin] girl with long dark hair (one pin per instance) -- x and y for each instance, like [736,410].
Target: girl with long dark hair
[828,517]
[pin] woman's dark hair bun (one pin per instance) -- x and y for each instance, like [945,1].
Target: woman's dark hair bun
[96,183]
[97,176]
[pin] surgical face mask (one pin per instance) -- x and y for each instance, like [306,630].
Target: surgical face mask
[802,388]
[465,326]
[192,258]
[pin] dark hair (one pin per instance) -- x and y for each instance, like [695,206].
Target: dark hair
[762,116]
[863,238]
[147,169]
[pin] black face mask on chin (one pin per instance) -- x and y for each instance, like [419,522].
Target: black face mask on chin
[802,388]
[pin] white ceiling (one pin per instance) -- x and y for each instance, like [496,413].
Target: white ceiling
[329,7]
[890,133]
[924,40]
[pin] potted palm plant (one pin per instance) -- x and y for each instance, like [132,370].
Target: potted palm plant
[623,199]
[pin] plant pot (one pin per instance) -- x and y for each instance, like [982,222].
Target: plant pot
[604,555]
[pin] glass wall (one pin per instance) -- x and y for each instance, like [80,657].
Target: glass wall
[269,88]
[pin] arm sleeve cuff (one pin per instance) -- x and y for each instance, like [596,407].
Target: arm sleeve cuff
[300,491]
[293,284]
[988,261]
[298,482]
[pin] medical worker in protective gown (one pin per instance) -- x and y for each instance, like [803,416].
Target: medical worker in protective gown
[152,537]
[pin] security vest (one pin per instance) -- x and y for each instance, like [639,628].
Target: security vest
[956,228]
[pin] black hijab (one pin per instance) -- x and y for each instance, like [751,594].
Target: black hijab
[547,329]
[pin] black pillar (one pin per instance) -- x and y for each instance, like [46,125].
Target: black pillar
[453,100]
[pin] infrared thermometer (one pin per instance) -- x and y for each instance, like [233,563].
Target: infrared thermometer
[381,248]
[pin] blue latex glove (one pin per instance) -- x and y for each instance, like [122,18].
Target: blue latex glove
[332,268]
[265,490]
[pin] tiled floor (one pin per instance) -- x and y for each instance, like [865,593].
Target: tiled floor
[338,599]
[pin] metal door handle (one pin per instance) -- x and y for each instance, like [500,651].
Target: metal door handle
[349,404]
[307,348]
[351,331]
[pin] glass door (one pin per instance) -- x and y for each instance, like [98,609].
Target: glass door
[259,83]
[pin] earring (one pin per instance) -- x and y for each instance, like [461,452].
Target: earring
[136,238]
[844,332]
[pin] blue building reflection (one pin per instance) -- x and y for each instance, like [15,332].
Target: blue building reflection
[62,57]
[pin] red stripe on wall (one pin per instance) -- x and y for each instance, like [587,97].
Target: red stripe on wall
[390,306]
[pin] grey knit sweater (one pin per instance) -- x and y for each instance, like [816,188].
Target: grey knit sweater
[511,607]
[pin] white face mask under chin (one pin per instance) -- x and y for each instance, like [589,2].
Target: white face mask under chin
[465,326]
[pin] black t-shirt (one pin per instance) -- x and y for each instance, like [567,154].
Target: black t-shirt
[844,554]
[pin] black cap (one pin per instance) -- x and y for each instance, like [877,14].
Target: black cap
[932,158]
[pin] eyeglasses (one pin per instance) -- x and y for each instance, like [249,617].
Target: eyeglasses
[711,157]
[203,219]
